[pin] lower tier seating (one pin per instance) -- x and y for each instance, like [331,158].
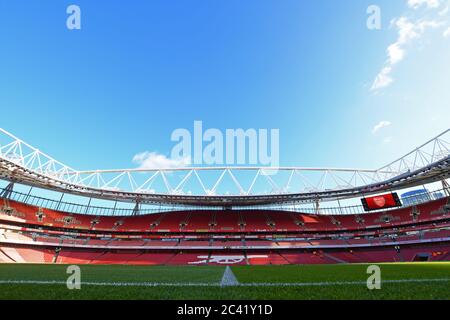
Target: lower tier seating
[408,253]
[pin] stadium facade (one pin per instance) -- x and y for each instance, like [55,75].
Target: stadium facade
[274,216]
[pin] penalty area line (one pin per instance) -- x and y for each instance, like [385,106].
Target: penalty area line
[215,284]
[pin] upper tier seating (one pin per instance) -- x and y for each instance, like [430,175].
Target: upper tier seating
[227,221]
[199,222]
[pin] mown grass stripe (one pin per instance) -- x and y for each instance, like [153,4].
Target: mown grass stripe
[200,284]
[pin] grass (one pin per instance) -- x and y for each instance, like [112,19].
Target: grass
[275,275]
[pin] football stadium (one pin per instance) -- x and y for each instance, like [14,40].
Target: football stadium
[224,158]
[168,243]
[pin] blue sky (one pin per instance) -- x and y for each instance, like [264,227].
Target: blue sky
[137,70]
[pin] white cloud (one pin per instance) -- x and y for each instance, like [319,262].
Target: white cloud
[380,125]
[383,79]
[407,32]
[423,25]
[395,53]
[153,160]
[447,33]
[415,4]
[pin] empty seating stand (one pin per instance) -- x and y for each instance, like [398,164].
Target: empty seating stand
[30,234]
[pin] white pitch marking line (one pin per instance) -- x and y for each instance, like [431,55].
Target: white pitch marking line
[338,283]
[116,284]
[228,278]
[202,284]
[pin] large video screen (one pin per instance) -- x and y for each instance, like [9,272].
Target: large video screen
[388,200]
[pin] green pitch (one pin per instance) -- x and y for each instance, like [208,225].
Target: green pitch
[399,281]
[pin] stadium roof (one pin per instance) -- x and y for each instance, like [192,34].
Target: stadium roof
[24,164]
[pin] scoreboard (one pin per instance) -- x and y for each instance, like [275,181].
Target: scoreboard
[389,200]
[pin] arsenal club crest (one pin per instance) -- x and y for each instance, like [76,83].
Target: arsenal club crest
[379,201]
